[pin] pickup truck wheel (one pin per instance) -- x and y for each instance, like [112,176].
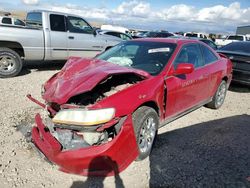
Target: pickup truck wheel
[145,121]
[10,63]
[219,96]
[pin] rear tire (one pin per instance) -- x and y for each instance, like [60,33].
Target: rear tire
[10,63]
[219,96]
[146,122]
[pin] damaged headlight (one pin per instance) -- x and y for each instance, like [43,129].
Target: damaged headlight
[83,116]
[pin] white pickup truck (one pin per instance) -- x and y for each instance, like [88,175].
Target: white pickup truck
[49,36]
[229,39]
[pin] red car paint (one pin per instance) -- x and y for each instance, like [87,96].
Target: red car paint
[81,75]
[170,94]
[78,161]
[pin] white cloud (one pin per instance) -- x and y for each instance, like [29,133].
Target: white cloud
[133,8]
[141,9]
[136,12]
[95,13]
[30,2]
[221,13]
[177,12]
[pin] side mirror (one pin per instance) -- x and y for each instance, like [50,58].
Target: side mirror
[184,68]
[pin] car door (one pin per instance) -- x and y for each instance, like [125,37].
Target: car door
[210,69]
[186,91]
[81,38]
[58,37]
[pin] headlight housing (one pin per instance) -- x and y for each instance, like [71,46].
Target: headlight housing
[84,117]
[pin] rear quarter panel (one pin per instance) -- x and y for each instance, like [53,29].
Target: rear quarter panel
[222,70]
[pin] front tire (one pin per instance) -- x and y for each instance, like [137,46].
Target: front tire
[219,96]
[10,63]
[146,122]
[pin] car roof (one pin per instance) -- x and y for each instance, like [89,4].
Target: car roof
[178,41]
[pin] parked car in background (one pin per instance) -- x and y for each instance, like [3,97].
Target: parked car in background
[229,39]
[139,34]
[115,28]
[206,41]
[193,34]
[10,21]
[49,36]
[108,115]
[156,34]
[239,54]
[120,35]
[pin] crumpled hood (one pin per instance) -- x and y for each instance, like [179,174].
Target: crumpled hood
[81,75]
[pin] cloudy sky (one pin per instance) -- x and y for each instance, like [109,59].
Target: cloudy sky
[171,15]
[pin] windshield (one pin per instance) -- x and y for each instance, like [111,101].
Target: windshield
[148,56]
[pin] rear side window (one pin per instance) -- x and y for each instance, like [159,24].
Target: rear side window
[57,23]
[209,56]
[6,20]
[34,19]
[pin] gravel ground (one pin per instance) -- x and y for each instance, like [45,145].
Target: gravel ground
[206,148]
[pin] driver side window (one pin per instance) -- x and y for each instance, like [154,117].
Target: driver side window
[78,25]
[189,54]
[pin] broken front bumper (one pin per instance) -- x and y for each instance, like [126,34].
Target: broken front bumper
[102,160]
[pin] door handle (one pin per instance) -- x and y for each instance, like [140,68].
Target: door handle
[71,37]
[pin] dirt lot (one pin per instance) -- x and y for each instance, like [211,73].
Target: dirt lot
[206,148]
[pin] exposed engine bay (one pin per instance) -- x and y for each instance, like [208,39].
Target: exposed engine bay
[73,136]
[106,88]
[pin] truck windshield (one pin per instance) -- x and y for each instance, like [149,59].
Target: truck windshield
[148,56]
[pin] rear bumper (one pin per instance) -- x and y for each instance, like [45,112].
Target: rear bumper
[241,76]
[103,160]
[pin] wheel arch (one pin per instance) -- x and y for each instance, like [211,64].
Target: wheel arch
[151,104]
[15,46]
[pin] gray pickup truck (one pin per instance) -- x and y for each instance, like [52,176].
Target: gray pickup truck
[49,36]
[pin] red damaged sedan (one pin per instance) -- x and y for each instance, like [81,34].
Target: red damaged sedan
[104,113]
